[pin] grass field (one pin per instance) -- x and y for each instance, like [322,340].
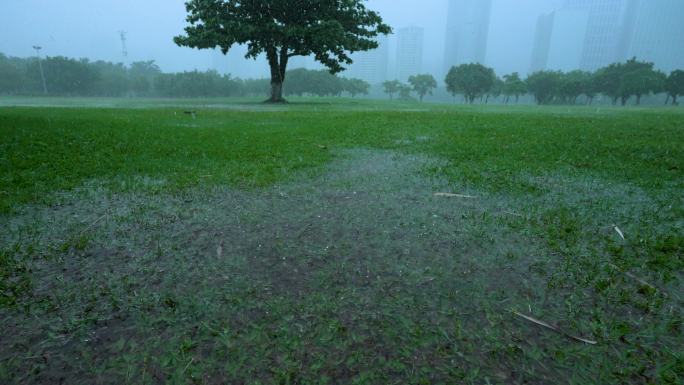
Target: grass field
[304,244]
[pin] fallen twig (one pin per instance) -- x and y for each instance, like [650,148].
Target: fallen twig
[617,230]
[90,226]
[554,328]
[634,277]
[450,195]
[322,147]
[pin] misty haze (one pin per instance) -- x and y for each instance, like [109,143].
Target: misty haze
[341,192]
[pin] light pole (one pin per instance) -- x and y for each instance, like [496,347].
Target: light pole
[40,65]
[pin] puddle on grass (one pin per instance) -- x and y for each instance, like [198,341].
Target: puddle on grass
[372,214]
[368,236]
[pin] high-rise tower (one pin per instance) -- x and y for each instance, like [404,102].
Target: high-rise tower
[409,52]
[467,32]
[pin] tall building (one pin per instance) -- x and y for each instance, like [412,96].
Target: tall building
[603,32]
[586,34]
[542,42]
[467,32]
[409,52]
[560,40]
[657,33]
[370,66]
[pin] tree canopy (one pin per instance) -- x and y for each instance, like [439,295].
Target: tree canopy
[391,87]
[473,80]
[328,30]
[423,84]
[674,85]
[513,86]
[544,85]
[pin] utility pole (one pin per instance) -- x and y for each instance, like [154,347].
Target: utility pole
[40,65]
[124,49]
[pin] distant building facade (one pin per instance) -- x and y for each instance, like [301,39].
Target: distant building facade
[560,40]
[583,34]
[605,25]
[467,32]
[542,43]
[590,34]
[657,33]
[410,42]
[370,66]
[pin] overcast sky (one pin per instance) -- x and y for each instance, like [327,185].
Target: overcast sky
[89,28]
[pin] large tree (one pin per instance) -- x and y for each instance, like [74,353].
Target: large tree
[572,85]
[423,84]
[329,30]
[544,85]
[513,86]
[391,87]
[355,87]
[674,85]
[608,81]
[638,79]
[472,80]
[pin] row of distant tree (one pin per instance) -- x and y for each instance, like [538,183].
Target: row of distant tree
[70,77]
[619,81]
[63,76]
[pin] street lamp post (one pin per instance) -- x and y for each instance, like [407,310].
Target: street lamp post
[40,65]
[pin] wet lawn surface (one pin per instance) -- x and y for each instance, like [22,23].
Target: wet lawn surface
[305,244]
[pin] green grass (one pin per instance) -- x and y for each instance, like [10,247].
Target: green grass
[340,266]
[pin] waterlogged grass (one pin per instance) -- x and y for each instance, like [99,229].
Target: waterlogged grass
[302,244]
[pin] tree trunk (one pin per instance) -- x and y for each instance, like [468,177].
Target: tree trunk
[674,100]
[638,101]
[278,64]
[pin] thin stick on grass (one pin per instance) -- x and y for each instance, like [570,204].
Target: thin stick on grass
[90,226]
[450,195]
[634,277]
[554,328]
[617,230]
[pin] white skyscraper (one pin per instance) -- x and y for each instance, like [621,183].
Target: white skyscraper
[410,42]
[467,32]
[370,66]
[657,33]
[603,31]
[560,40]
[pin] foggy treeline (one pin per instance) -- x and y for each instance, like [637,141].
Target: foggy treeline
[621,83]
[81,77]
[618,82]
